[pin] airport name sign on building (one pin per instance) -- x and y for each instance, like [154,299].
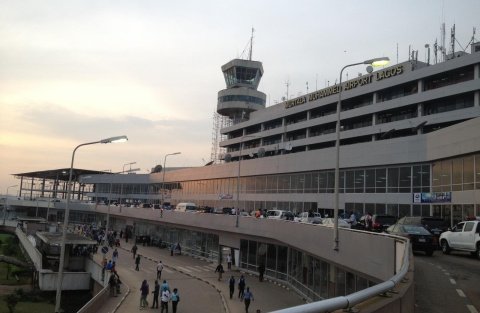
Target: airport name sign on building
[351,84]
[432,197]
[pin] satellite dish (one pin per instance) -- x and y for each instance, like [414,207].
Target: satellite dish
[251,155]
[261,152]
[156,169]
[228,157]
[288,146]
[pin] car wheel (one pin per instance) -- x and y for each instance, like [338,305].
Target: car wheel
[429,252]
[445,247]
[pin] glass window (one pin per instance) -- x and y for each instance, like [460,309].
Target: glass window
[393,174]
[446,175]
[359,181]
[405,179]
[380,180]
[404,210]
[260,184]
[468,173]
[331,182]
[322,182]
[392,209]
[350,181]
[340,283]
[341,183]
[457,173]
[417,178]
[252,253]
[370,181]
[380,208]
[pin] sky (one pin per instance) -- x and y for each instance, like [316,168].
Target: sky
[79,71]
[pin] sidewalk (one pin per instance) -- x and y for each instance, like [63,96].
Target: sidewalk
[268,296]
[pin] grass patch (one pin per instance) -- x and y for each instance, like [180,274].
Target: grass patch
[28,307]
[24,276]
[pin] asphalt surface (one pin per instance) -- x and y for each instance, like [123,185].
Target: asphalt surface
[447,283]
[198,285]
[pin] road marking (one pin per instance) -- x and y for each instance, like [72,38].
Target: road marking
[461,293]
[184,269]
[471,308]
[167,270]
[453,281]
[193,268]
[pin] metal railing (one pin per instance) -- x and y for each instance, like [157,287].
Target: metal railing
[353,299]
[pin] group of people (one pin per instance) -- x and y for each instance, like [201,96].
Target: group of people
[244,295]
[159,291]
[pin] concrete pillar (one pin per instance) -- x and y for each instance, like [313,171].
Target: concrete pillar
[420,86]
[374,97]
[476,98]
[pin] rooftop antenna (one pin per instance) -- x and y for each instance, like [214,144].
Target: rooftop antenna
[435,48]
[287,83]
[397,52]
[452,40]
[307,86]
[427,46]
[442,41]
[251,45]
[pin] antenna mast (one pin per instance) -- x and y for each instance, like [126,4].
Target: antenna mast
[251,46]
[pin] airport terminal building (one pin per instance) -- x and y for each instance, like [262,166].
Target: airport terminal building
[409,145]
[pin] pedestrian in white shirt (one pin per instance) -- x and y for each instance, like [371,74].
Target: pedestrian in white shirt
[159,270]
[164,300]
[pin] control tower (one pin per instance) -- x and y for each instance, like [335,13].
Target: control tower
[241,95]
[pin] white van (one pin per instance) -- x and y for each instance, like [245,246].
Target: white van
[186,206]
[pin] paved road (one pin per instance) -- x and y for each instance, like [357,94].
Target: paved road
[199,289]
[447,283]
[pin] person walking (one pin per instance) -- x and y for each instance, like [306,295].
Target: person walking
[261,271]
[231,285]
[220,271]
[247,297]
[159,270]
[164,300]
[175,299]
[115,256]
[137,263]
[112,283]
[229,262]
[241,287]
[165,286]
[134,250]
[156,293]
[144,290]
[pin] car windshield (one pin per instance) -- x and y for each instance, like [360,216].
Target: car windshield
[434,223]
[415,230]
[385,219]
[273,213]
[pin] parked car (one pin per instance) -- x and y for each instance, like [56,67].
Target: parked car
[329,221]
[287,215]
[379,222]
[465,236]
[420,238]
[435,225]
[275,214]
[309,217]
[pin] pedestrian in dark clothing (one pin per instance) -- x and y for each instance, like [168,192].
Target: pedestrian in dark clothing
[144,289]
[134,250]
[172,247]
[241,287]
[121,233]
[247,297]
[175,297]
[220,271]
[137,263]
[112,282]
[156,293]
[261,271]
[231,285]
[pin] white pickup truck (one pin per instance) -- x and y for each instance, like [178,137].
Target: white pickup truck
[465,236]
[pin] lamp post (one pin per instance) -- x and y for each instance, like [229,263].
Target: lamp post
[373,62]
[237,211]
[131,163]
[6,204]
[163,179]
[67,211]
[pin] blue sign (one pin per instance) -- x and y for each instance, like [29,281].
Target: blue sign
[432,197]
[104,250]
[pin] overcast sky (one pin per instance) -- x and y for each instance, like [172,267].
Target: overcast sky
[78,71]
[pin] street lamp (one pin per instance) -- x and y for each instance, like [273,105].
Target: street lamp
[163,179]
[6,204]
[67,211]
[131,163]
[237,211]
[373,62]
